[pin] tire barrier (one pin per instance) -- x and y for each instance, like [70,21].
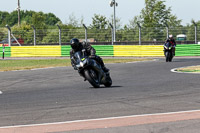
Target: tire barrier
[101,50]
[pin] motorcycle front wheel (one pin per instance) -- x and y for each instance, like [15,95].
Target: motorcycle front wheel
[108,81]
[92,77]
[167,56]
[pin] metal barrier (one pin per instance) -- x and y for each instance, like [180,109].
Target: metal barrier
[101,50]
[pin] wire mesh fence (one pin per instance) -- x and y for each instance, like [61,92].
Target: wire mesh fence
[150,35]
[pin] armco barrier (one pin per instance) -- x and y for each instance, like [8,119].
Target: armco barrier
[141,50]
[65,50]
[7,52]
[104,50]
[188,50]
[101,50]
[35,51]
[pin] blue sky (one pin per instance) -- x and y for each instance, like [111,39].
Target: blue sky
[127,9]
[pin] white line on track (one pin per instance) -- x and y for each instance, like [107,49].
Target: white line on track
[108,118]
[1,92]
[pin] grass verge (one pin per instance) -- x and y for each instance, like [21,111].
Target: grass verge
[194,69]
[9,65]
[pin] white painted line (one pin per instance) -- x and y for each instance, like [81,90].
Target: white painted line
[42,68]
[1,92]
[142,61]
[108,118]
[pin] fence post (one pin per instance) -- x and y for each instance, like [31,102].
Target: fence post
[140,42]
[59,34]
[195,30]
[196,34]
[9,35]
[112,32]
[34,35]
[85,32]
[167,27]
[3,51]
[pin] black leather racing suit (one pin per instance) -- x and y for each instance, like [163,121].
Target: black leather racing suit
[173,43]
[90,51]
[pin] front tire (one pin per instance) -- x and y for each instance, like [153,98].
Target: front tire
[167,56]
[170,57]
[92,77]
[108,81]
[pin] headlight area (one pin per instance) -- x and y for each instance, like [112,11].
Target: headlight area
[81,64]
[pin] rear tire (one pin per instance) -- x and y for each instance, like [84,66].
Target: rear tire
[92,77]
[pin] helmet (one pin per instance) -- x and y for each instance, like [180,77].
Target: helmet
[74,43]
[170,36]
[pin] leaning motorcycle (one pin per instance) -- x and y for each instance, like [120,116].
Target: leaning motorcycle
[168,52]
[91,70]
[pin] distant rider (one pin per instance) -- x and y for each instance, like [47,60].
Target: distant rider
[172,42]
[90,51]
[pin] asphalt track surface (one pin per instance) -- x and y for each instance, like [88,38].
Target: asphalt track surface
[60,95]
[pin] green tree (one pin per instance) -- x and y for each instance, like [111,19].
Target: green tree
[30,17]
[3,16]
[26,16]
[24,31]
[99,22]
[12,19]
[191,31]
[99,28]
[118,22]
[73,21]
[38,20]
[153,18]
[51,19]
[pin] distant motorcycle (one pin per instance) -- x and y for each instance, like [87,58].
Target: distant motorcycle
[168,52]
[91,70]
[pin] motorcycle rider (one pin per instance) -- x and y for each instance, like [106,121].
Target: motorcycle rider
[90,51]
[172,42]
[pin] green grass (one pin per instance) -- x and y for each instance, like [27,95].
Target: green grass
[9,65]
[193,69]
[190,71]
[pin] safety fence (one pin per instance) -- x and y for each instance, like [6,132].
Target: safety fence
[102,50]
[62,35]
